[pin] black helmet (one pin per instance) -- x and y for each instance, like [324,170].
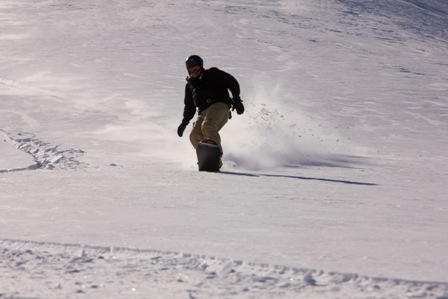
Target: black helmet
[194,60]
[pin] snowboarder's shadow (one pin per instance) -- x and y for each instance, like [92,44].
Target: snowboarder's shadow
[299,178]
[339,161]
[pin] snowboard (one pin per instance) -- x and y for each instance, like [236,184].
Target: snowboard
[209,154]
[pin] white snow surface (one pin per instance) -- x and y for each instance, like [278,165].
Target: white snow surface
[334,182]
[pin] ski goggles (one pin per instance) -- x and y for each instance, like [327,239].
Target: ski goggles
[194,69]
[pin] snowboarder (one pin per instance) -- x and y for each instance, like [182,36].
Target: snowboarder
[207,92]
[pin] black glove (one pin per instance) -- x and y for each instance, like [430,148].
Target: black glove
[181,129]
[238,106]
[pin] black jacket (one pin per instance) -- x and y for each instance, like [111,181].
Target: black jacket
[209,88]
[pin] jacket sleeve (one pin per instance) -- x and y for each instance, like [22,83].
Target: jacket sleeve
[230,83]
[189,108]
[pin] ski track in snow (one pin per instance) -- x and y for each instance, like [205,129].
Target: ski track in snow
[45,155]
[80,271]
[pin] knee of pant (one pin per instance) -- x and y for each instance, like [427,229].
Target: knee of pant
[206,126]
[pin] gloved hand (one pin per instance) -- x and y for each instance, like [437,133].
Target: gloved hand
[238,106]
[181,129]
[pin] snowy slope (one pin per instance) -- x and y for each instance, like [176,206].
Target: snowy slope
[334,183]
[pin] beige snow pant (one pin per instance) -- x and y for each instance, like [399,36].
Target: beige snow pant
[209,123]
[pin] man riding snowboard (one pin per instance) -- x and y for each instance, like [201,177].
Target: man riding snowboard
[207,92]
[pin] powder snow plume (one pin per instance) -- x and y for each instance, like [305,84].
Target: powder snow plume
[272,134]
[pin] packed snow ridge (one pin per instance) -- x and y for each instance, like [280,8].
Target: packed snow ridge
[69,270]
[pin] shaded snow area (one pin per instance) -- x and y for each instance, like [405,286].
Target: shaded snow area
[334,178]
